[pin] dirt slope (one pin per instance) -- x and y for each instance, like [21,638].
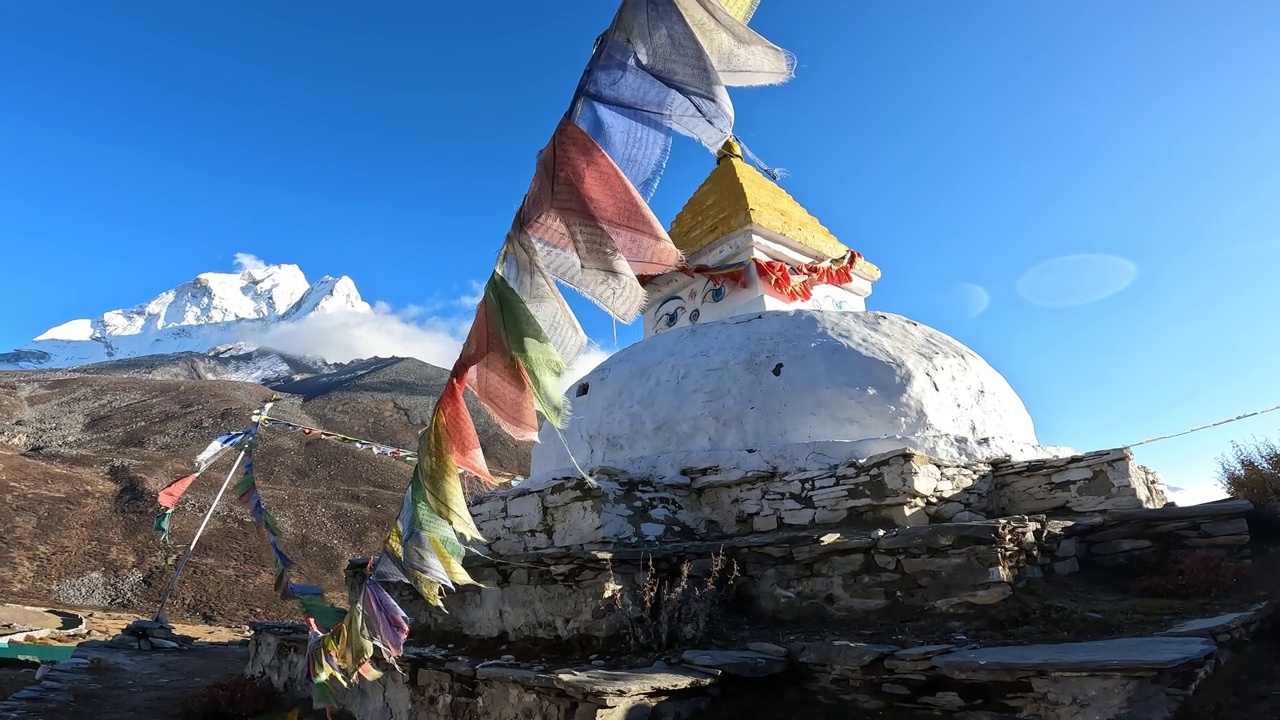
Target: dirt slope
[81,458]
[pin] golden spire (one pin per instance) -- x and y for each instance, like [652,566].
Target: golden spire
[736,195]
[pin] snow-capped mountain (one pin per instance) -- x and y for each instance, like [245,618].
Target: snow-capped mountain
[215,310]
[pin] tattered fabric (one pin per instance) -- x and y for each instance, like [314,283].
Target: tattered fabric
[592,229]
[513,367]
[742,10]
[671,60]
[778,276]
[524,271]
[735,273]
[838,271]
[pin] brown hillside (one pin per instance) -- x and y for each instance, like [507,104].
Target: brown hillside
[82,457]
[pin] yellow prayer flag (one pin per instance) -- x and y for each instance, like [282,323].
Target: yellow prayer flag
[742,10]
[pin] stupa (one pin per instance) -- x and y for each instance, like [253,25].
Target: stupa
[762,353]
[776,460]
[769,419]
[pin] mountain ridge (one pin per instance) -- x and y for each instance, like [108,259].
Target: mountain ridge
[212,310]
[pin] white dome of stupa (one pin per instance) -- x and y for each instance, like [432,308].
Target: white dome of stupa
[782,386]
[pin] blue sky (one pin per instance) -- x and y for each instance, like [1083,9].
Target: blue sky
[958,145]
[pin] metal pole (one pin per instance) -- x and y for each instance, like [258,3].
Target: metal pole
[173,582]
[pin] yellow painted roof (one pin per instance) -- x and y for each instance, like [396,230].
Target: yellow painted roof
[736,195]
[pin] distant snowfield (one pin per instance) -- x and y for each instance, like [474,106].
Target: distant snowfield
[1196,495]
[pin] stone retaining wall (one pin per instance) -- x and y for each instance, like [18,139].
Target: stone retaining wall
[560,594]
[1093,482]
[1127,537]
[1139,678]
[899,489]
[438,686]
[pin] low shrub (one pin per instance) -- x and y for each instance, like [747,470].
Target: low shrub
[679,610]
[1198,574]
[1252,471]
[240,698]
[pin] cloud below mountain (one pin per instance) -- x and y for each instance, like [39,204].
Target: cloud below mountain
[346,336]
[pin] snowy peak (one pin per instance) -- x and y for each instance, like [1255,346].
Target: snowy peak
[328,295]
[212,310]
[254,294]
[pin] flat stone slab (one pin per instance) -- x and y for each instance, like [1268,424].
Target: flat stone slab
[840,653]
[1120,656]
[922,652]
[1208,627]
[1220,508]
[645,681]
[741,663]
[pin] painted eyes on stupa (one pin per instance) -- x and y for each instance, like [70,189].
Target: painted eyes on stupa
[714,294]
[669,319]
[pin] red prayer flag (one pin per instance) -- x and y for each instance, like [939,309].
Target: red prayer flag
[497,377]
[594,231]
[173,492]
[460,430]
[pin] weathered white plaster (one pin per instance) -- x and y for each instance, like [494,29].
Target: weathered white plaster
[776,388]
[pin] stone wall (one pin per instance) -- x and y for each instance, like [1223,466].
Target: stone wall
[439,686]
[1139,678]
[570,594]
[1093,482]
[1126,537]
[899,489]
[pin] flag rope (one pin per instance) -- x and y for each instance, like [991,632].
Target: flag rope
[1220,423]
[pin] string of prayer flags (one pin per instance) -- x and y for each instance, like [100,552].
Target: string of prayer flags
[779,277]
[794,283]
[310,598]
[735,273]
[522,268]
[592,229]
[377,448]
[511,364]
[662,66]
[172,493]
[838,271]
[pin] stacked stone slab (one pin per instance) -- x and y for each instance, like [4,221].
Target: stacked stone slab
[569,558]
[574,561]
[1143,678]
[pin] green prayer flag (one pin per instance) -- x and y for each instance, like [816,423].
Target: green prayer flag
[527,342]
[161,525]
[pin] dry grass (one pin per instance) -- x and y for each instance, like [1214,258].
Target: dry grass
[680,610]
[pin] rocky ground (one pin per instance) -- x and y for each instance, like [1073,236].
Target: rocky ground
[82,457]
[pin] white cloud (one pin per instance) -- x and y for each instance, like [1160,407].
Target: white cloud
[473,298]
[248,261]
[346,336]
[586,362]
[1196,495]
[974,300]
[1073,280]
